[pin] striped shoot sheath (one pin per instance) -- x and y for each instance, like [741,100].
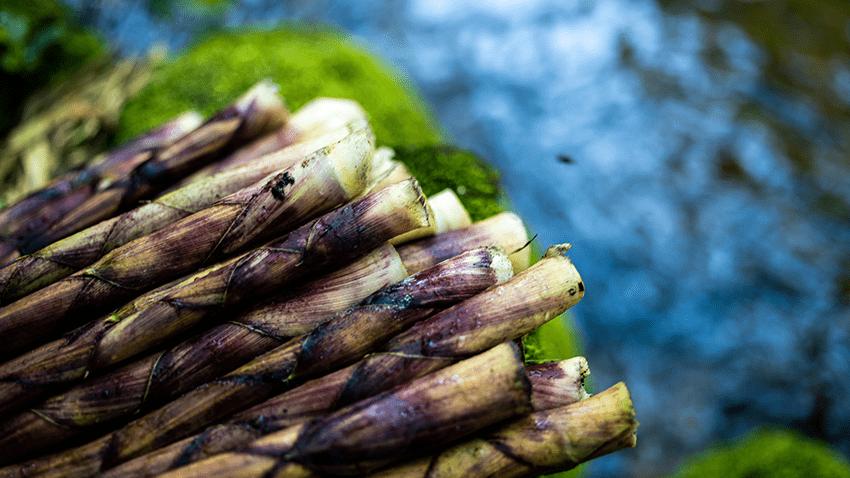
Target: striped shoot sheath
[23,221]
[166,374]
[313,120]
[440,407]
[341,339]
[546,441]
[552,384]
[62,258]
[275,204]
[257,111]
[503,312]
[505,230]
[331,241]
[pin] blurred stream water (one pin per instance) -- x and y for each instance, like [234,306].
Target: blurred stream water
[703,180]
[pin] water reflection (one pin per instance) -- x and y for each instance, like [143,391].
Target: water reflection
[707,193]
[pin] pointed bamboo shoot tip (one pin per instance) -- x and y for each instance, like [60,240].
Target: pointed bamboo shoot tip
[189,120]
[263,95]
[449,213]
[324,114]
[445,212]
[558,250]
[501,264]
[579,368]
[412,192]
[510,232]
[382,165]
[351,158]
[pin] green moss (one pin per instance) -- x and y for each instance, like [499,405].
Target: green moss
[554,340]
[441,167]
[40,44]
[574,473]
[305,62]
[768,453]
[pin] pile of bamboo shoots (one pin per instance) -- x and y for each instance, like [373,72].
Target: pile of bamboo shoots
[269,294]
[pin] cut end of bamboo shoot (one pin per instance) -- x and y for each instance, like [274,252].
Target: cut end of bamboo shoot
[386,154]
[351,159]
[382,165]
[403,201]
[384,169]
[322,115]
[262,95]
[563,271]
[602,424]
[504,312]
[501,265]
[185,122]
[556,384]
[394,172]
[511,234]
[447,214]
[262,108]
[504,230]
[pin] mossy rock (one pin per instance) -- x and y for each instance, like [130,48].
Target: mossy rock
[306,62]
[311,62]
[554,340]
[441,167]
[768,453]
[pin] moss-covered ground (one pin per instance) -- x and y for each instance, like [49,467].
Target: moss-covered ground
[768,454]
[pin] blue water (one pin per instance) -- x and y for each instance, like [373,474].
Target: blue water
[707,200]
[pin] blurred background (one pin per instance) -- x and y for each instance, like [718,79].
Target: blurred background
[696,154]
